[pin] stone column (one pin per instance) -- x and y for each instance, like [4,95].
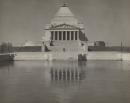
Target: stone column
[77,35]
[65,35]
[57,35]
[53,35]
[53,75]
[70,74]
[57,73]
[66,74]
[61,35]
[70,35]
[61,74]
[78,75]
[74,74]
[73,35]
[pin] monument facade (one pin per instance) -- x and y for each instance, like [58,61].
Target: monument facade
[65,34]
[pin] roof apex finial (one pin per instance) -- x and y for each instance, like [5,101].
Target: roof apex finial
[64,4]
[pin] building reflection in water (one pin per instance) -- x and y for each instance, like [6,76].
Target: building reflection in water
[68,71]
[66,74]
[66,78]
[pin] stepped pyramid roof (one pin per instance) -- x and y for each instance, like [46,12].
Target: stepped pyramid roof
[64,16]
[64,11]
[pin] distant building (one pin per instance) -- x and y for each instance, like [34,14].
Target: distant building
[65,33]
[31,43]
[99,43]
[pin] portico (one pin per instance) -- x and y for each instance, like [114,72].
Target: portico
[64,35]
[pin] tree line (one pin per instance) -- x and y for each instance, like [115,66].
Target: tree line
[6,47]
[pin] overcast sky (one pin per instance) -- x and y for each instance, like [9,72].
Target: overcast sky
[107,20]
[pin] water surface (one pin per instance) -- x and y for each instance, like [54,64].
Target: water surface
[65,82]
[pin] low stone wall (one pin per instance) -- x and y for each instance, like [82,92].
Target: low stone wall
[65,56]
[71,56]
[46,56]
[32,56]
[126,56]
[108,56]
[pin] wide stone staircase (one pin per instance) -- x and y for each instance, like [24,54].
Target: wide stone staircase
[66,46]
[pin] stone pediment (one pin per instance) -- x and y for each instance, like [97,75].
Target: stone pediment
[63,26]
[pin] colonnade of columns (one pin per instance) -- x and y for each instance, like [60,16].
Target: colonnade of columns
[64,35]
[65,74]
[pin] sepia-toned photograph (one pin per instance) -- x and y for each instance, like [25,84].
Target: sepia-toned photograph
[64,51]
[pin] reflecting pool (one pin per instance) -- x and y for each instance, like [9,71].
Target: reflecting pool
[65,82]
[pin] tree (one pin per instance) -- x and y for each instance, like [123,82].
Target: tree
[6,47]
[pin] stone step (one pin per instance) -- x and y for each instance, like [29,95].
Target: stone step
[66,43]
[64,48]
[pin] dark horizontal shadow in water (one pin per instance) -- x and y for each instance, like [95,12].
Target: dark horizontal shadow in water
[6,63]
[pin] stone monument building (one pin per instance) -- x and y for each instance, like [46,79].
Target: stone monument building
[65,34]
